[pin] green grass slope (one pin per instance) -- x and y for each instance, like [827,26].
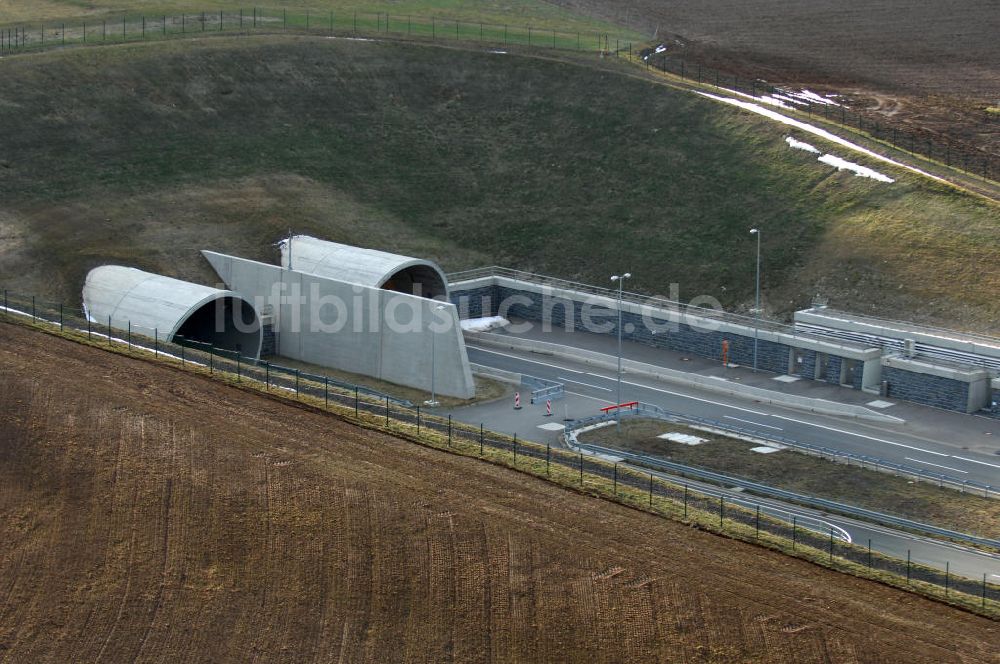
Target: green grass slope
[144,154]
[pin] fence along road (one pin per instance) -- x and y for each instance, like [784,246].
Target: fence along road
[983,592]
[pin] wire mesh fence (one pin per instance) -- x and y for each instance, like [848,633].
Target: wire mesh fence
[145,27]
[672,497]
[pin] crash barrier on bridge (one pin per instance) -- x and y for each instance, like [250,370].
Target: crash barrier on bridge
[707,383]
[675,499]
[645,410]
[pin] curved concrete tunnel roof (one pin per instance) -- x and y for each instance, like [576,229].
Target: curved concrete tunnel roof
[368,267]
[173,308]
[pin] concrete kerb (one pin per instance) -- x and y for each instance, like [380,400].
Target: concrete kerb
[497,374]
[708,383]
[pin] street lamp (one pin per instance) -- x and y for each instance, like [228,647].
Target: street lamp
[756,327]
[433,402]
[621,280]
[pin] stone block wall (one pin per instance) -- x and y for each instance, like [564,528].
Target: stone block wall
[938,391]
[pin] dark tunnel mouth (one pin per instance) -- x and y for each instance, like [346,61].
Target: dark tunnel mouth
[420,280]
[220,324]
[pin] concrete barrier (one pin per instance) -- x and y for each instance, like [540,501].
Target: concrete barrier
[708,383]
[497,374]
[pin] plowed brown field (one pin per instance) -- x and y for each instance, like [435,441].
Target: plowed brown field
[152,515]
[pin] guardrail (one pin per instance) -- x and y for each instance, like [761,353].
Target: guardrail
[873,463]
[542,388]
[672,309]
[757,488]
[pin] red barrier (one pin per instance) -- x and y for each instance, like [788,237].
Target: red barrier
[630,404]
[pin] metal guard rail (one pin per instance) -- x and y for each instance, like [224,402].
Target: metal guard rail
[634,298]
[660,413]
[817,503]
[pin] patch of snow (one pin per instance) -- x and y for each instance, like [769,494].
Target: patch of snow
[859,170]
[812,129]
[772,101]
[552,426]
[810,96]
[483,324]
[497,52]
[682,438]
[764,449]
[799,145]
[661,48]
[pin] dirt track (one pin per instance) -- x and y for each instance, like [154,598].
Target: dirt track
[153,516]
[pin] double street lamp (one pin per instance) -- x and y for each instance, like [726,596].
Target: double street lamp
[756,308]
[620,279]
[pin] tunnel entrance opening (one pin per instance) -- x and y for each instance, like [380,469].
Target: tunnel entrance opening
[227,322]
[420,280]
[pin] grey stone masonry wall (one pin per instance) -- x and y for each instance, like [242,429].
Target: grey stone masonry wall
[682,338]
[268,345]
[807,369]
[833,369]
[478,302]
[938,391]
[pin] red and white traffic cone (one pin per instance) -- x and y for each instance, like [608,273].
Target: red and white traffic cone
[548,408]
[517,401]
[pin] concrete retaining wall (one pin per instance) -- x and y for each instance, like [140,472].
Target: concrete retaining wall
[710,383]
[378,333]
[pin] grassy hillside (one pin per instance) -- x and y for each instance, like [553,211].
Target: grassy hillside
[144,154]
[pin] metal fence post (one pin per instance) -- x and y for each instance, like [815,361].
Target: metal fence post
[33,316]
[685,501]
[831,545]
[89,337]
[548,454]
[651,489]
[907,566]
[156,342]
[869,553]
[387,411]
[757,533]
[614,487]
[418,419]
[182,355]
[722,509]
[449,431]
[984,590]
[326,393]
[109,330]
[480,439]
[355,401]
[296,382]
[128,336]
[60,317]
[211,359]
[515,449]
[267,376]
[239,377]
[581,468]
[947,577]
[795,533]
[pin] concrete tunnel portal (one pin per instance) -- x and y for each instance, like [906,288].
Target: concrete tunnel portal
[171,309]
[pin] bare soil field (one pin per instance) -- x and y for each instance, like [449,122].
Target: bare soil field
[929,66]
[151,515]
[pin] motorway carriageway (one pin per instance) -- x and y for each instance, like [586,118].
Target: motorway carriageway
[845,434]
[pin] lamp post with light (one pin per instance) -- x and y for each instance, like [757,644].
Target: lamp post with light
[756,309]
[620,279]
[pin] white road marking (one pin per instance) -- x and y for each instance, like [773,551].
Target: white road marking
[730,417]
[523,359]
[585,396]
[576,382]
[928,463]
[745,410]
[688,396]
[992,465]
[861,435]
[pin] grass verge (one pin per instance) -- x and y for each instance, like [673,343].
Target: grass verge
[810,475]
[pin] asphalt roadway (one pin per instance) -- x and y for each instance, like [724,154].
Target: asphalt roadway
[588,389]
